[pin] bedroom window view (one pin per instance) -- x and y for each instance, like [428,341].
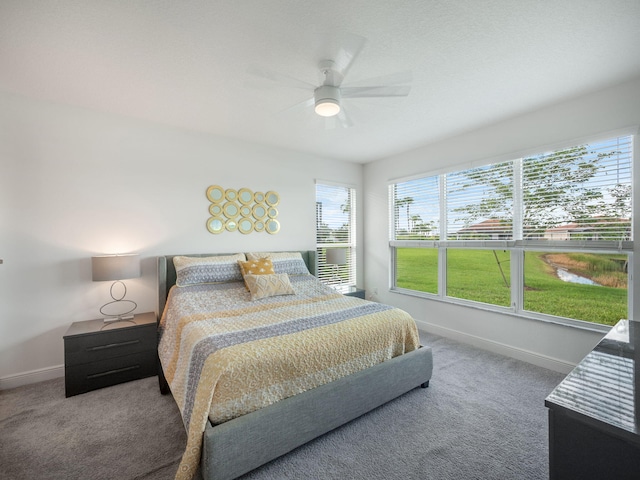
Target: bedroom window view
[561,219]
[417,269]
[584,286]
[335,234]
[479,275]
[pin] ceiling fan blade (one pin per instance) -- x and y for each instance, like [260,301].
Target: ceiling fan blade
[280,79]
[344,119]
[341,120]
[375,91]
[309,102]
[397,78]
[343,50]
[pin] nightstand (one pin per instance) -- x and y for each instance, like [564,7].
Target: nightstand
[354,292]
[99,354]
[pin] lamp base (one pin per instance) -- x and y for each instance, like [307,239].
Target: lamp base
[121,316]
[128,318]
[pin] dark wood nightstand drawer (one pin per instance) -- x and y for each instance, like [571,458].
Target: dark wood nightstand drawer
[108,344]
[103,373]
[99,354]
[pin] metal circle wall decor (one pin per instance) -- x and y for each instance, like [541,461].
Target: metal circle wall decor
[245,196]
[231,225]
[259,212]
[272,199]
[242,210]
[215,225]
[231,194]
[231,210]
[245,225]
[272,226]
[215,193]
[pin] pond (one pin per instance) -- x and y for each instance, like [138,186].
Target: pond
[567,276]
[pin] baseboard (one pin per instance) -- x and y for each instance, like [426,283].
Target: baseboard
[34,376]
[544,361]
[554,364]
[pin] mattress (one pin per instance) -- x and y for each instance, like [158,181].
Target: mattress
[225,355]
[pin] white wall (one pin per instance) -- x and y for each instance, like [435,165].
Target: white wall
[546,344]
[75,183]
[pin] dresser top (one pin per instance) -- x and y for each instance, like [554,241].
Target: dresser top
[603,388]
[88,327]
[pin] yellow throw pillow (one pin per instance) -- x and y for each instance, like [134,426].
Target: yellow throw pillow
[263,286]
[261,266]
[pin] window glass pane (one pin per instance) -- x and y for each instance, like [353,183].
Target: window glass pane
[578,199]
[417,269]
[336,274]
[416,209]
[479,275]
[333,214]
[335,229]
[583,286]
[480,203]
[580,193]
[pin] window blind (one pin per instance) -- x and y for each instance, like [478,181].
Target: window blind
[415,209]
[579,193]
[335,228]
[479,203]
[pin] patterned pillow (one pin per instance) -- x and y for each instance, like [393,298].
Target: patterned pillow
[199,270]
[262,266]
[263,286]
[283,262]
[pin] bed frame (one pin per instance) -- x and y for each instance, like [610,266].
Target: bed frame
[240,445]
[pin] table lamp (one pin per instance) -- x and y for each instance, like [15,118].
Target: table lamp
[116,268]
[336,257]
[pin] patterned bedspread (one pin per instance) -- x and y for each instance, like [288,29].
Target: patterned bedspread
[225,355]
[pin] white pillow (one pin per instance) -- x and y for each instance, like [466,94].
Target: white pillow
[263,286]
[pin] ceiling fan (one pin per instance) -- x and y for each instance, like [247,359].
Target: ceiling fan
[327,97]
[331,97]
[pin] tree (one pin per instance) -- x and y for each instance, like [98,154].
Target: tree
[406,203]
[555,189]
[415,219]
[424,227]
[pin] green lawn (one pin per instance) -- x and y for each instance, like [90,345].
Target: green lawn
[475,275]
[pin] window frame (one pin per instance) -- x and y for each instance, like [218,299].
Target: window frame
[517,246]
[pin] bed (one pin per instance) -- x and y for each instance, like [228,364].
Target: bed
[232,431]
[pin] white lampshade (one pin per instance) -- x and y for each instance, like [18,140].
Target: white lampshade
[115,267]
[336,256]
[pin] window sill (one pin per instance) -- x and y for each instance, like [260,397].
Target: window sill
[539,317]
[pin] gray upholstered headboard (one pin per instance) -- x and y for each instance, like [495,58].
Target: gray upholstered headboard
[167,272]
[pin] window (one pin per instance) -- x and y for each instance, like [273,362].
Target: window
[546,236]
[335,229]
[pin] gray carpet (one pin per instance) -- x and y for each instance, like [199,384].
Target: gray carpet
[483,417]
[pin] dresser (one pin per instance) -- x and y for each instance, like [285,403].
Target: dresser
[99,354]
[594,414]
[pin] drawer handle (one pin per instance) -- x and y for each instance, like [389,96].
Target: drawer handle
[112,372]
[112,345]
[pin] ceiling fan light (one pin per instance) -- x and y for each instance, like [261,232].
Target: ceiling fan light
[327,100]
[327,107]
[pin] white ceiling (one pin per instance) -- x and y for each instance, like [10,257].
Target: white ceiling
[192,64]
